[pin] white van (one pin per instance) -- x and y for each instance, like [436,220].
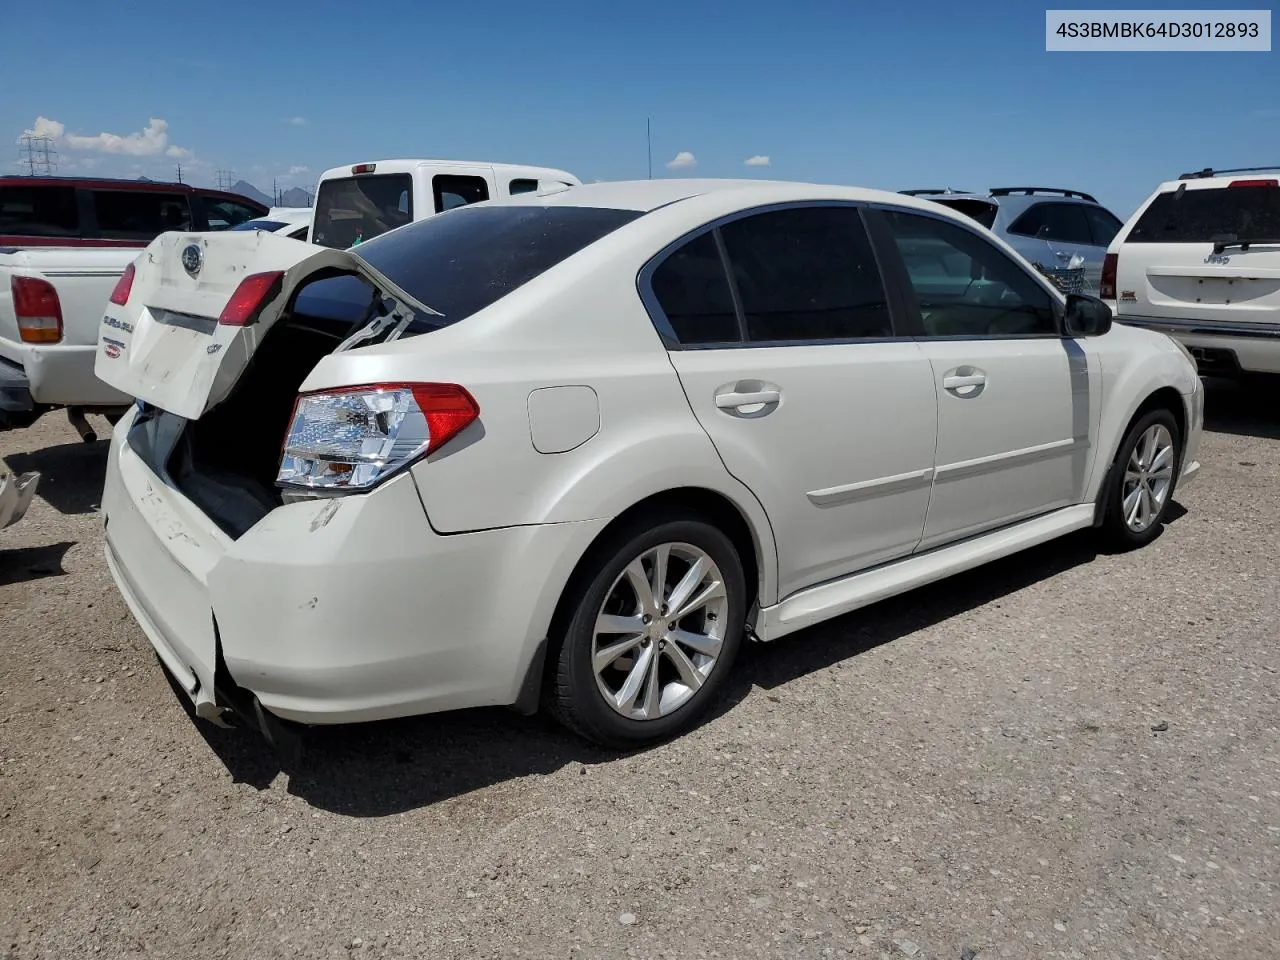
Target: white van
[1200,261]
[358,202]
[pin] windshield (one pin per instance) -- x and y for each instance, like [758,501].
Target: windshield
[459,262]
[352,210]
[1214,214]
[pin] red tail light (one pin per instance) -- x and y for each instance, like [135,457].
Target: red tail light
[364,168]
[124,286]
[254,292]
[1107,286]
[39,312]
[1254,183]
[448,409]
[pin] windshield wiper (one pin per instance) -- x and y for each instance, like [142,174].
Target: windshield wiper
[1220,245]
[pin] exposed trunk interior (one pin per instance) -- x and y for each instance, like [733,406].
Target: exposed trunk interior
[226,461]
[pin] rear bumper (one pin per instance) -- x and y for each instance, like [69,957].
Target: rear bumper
[57,375]
[16,494]
[15,392]
[1254,347]
[333,611]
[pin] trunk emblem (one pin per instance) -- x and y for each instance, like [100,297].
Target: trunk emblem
[192,259]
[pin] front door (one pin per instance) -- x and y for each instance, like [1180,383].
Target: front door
[1015,413]
[811,396]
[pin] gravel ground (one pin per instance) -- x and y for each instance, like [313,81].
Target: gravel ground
[1065,754]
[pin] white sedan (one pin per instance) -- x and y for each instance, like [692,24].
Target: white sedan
[569,450]
[294,222]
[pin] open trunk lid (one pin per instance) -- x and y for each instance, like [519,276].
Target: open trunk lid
[165,344]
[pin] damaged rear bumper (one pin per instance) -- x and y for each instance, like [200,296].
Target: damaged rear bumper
[336,610]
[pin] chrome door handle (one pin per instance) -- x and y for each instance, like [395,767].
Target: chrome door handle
[731,401]
[955,381]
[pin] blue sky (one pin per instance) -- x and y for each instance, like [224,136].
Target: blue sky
[884,95]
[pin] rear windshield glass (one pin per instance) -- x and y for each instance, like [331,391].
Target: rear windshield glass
[1207,216]
[460,262]
[980,210]
[39,212]
[352,210]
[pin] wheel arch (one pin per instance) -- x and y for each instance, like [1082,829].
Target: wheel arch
[1161,398]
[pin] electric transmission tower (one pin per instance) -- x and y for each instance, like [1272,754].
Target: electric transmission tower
[225,179]
[38,155]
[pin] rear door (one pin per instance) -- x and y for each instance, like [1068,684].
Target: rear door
[1182,261]
[796,371]
[1052,233]
[165,346]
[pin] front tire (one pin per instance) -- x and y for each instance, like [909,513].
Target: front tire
[652,633]
[1143,481]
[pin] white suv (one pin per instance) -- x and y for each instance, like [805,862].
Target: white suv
[574,447]
[1200,260]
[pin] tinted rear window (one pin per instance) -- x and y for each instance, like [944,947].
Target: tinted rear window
[139,215]
[39,212]
[354,210]
[1205,216]
[460,262]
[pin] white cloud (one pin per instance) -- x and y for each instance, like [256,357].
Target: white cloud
[684,160]
[294,171]
[296,121]
[756,161]
[151,141]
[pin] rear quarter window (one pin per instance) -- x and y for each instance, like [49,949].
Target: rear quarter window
[1209,215]
[39,212]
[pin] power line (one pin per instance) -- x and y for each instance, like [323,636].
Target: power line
[38,154]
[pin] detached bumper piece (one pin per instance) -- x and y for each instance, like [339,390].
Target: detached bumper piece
[16,493]
[283,736]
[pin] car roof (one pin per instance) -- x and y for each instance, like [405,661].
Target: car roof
[999,195]
[402,165]
[107,183]
[646,195]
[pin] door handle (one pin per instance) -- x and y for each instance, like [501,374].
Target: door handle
[955,381]
[731,401]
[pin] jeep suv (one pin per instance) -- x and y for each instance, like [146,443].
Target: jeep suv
[1200,261]
[1049,226]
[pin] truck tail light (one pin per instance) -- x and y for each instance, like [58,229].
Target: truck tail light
[255,292]
[355,437]
[38,310]
[124,286]
[1107,285]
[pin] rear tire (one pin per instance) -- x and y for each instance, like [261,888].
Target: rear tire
[1143,481]
[635,664]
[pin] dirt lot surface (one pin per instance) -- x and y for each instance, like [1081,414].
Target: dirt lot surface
[1065,754]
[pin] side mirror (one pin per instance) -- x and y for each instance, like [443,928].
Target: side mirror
[1086,316]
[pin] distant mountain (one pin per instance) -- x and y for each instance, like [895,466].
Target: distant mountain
[246,189]
[295,197]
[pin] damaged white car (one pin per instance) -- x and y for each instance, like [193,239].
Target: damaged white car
[570,449]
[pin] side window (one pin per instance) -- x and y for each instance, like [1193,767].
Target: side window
[807,273]
[1102,225]
[39,211]
[453,191]
[223,213]
[138,214]
[966,287]
[1064,222]
[522,186]
[693,291]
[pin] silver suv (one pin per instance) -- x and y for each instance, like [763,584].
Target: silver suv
[1064,232]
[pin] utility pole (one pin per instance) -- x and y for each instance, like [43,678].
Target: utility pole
[275,192]
[648,139]
[179,173]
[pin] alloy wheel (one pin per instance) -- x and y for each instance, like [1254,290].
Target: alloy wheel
[1148,478]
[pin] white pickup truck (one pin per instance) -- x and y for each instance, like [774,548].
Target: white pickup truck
[358,202]
[63,245]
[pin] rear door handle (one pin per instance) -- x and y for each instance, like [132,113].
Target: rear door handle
[955,381]
[731,401]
